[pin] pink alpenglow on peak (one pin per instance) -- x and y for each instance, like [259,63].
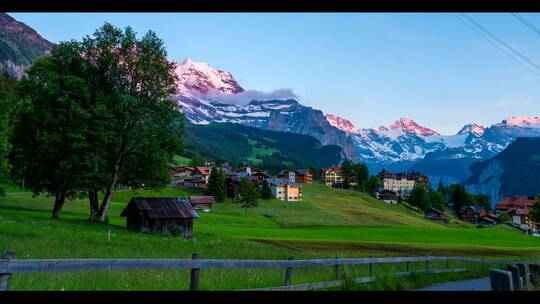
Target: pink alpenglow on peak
[410,126]
[521,121]
[200,78]
[341,123]
[472,128]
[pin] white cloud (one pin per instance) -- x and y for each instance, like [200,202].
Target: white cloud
[245,97]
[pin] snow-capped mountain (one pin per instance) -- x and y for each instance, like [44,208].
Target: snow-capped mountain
[210,95]
[472,128]
[200,79]
[410,126]
[341,123]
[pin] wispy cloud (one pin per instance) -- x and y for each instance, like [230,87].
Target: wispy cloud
[245,97]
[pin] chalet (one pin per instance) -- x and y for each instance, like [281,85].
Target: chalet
[285,190]
[472,214]
[401,183]
[196,182]
[158,214]
[202,202]
[388,196]
[331,176]
[202,173]
[489,219]
[436,215]
[518,208]
[180,173]
[302,176]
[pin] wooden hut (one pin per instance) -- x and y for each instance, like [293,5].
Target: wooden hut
[202,202]
[158,214]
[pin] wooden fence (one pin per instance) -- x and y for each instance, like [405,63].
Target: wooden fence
[9,266]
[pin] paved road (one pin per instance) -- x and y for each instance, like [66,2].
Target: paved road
[481,284]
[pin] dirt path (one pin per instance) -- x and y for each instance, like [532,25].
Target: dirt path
[481,284]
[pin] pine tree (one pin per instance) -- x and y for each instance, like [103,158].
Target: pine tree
[419,197]
[535,211]
[247,194]
[266,191]
[216,184]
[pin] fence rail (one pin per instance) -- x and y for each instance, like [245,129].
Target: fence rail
[9,265]
[59,265]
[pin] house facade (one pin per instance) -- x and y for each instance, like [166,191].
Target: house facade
[401,183]
[518,208]
[472,214]
[302,176]
[285,190]
[388,196]
[331,176]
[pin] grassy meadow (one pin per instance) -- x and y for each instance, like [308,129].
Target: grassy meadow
[327,223]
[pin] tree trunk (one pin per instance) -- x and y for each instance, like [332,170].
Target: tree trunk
[94,205]
[110,189]
[59,200]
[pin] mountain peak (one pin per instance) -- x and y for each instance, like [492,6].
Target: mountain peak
[410,126]
[341,123]
[522,121]
[473,128]
[20,45]
[199,78]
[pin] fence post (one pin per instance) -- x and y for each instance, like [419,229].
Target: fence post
[338,270]
[448,263]
[288,274]
[4,277]
[408,267]
[427,265]
[194,274]
[501,280]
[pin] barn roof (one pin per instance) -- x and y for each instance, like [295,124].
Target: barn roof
[162,207]
[201,199]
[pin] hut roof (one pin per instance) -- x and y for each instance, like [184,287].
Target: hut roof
[201,199]
[162,207]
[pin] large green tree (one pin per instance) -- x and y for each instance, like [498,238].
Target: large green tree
[8,107]
[50,150]
[132,81]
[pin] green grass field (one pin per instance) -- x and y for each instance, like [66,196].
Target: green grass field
[328,222]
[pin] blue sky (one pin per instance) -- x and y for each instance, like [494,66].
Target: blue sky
[368,68]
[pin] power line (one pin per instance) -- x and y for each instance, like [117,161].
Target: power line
[497,46]
[483,29]
[526,22]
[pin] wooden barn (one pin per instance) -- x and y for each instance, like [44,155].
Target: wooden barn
[158,214]
[202,202]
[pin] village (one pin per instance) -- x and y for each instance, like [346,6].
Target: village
[163,215]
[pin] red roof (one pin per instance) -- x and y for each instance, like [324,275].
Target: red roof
[515,202]
[204,170]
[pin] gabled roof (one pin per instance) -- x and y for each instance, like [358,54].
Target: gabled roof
[201,199]
[162,207]
[515,201]
[203,170]
[280,182]
[476,209]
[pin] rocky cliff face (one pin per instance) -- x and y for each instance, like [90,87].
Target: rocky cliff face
[20,45]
